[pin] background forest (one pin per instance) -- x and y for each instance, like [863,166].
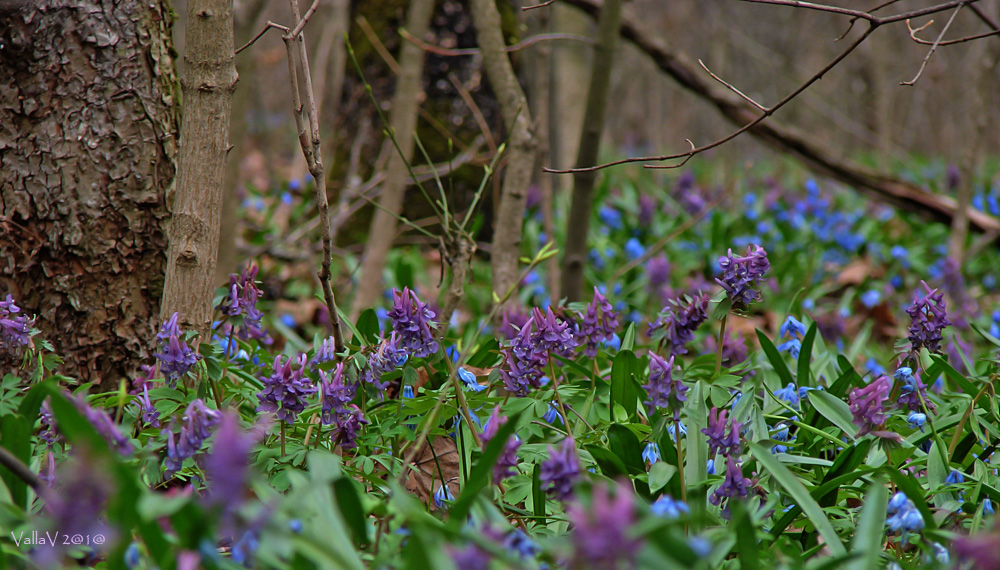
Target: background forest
[493,284]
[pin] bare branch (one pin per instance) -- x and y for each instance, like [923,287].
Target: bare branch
[862,15]
[305,19]
[930,52]
[527,42]
[267,26]
[731,88]
[914,32]
[535,6]
[767,112]
[378,45]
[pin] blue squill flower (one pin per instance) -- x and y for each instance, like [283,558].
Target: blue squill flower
[988,507]
[521,544]
[792,327]
[917,420]
[469,380]
[651,454]
[789,394]
[633,249]
[905,516]
[955,477]
[710,466]
[871,298]
[610,217]
[671,429]
[552,414]
[443,494]
[792,346]
[667,506]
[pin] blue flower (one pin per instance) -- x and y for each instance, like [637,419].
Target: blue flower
[408,391]
[610,217]
[793,346]
[988,507]
[789,394]
[871,298]
[792,327]
[552,414]
[651,453]
[954,478]
[634,249]
[917,420]
[615,343]
[710,466]
[874,367]
[905,516]
[295,525]
[469,380]
[667,506]
[442,494]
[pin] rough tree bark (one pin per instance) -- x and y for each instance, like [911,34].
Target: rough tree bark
[506,247]
[208,82]
[578,222]
[405,104]
[784,138]
[88,131]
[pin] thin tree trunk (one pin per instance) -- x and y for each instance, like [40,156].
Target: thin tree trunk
[405,104]
[506,248]
[208,83]
[784,138]
[88,126]
[578,221]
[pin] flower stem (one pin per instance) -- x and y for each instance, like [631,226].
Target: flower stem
[555,386]
[680,457]
[282,438]
[722,336]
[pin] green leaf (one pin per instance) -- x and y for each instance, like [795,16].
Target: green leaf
[805,355]
[352,511]
[623,443]
[537,494]
[801,496]
[487,355]
[775,358]
[623,367]
[660,474]
[867,542]
[835,410]
[609,463]
[15,437]
[480,475]
[747,549]
[367,329]
[911,487]
[628,340]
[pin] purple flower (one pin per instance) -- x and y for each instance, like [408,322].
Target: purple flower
[198,419]
[740,274]
[983,549]
[658,272]
[506,463]
[175,356]
[735,486]
[104,425]
[15,329]
[664,391]
[601,532]
[553,335]
[928,321]
[348,424]
[470,557]
[912,391]
[227,464]
[149,414]
[242,300]
[678,321]
[598,324]
[647,209]
[324,352]
[867,405]
[512,320]
[285,390]
[384,359]
[518,375]
[561,470]
[719,440]
[76,504]
[411,320]
[335,393]
[734,351]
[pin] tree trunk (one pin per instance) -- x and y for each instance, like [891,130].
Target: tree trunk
[208,83]
[520,146]
[405,104]
[578,222]
[88,134]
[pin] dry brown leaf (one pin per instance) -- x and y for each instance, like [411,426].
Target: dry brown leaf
[425,478]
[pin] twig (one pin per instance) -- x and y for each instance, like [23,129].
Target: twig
[268,26]
[867,16]
[913,36]
[931,51]
[527,42]
[310,141]
[477,113]
[767,112]
[378,45]
[11,462]
[305,19]
[536,6]
[731,88]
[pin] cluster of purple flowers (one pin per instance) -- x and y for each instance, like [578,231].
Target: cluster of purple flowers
[175,356]
[601,532]
[227,464]
[597,325]
[542,335]
[728,443]
[678,321]
[101,421]
[561,470]
[928,321]
[867,405]
[149,414]
[911,391]
[242,300]
[411,320]
[336,395]
[735,485]
[15,329]
[506,464]
[76,504]
[384,359]
[198,420]
[286,389]
[740,275]
[664,391]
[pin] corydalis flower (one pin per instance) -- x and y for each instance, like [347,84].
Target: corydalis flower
[384,359]
[506,463]
[227,464]
[15,329]
[285,390]
[242,300]
[867,405]
[348,423]
[601,532]
[719,439]
[198,421]
[740,274]
[325,351]
[150,415]
[735,486]
[175,356]
[99,419]
[512,320]
[553,334]
[928,321]
[664,391]
[76,504]
[335,393]
[561,470]
[411,320]
[597,325]
[983,549]
[678,321]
